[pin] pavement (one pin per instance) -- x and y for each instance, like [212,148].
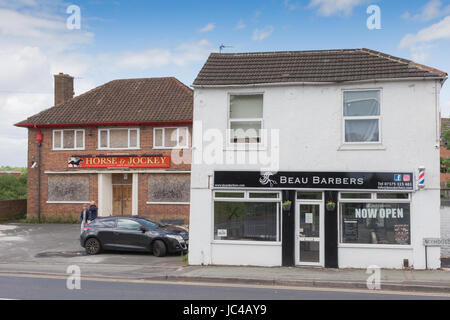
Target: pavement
[48,249]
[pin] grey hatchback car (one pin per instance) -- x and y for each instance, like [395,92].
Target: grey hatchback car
[133,234]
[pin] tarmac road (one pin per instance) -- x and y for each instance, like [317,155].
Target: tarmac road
[55,288]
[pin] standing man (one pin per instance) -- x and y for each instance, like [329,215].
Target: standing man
[84,216]
[92,213]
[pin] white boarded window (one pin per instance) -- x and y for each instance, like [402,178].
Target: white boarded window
[118,138]
[171,138]
[68,139]
[245,118]
[362,116]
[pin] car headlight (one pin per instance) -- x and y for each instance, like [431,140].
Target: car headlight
[176,237]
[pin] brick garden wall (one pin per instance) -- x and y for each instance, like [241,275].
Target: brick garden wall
[12,208]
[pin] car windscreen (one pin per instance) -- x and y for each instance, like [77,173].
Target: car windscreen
[150,224]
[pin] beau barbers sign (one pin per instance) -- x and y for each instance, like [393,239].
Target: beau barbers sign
[388,181]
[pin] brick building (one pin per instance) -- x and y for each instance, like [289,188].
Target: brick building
[125,145]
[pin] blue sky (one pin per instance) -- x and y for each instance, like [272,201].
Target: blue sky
[136,38]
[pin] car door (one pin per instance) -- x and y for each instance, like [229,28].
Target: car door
[129,235]
[105,232]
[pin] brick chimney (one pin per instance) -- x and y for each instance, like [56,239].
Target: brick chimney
[63,88]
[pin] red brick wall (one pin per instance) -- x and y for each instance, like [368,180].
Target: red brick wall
[12,208]
[57,161]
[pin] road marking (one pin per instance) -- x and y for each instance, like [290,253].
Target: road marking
[233,285]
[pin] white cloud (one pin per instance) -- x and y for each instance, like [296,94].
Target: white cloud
[156,57]
[208,27]
[432,10]
[291,5]
[331,7]
[240,25]
[435,32]
[262,34]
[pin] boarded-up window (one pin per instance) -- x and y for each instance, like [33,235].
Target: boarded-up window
[167,187]
[67,187]
[119,138]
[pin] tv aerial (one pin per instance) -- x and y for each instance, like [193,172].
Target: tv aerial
[222,46]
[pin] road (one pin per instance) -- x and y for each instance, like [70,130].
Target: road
[50,288]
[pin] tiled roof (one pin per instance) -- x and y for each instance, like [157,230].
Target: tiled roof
[308,66]
[122,101]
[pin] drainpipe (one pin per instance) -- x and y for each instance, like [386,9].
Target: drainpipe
[39,137]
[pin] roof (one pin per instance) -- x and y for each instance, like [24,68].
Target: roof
[122,102]
[308,66]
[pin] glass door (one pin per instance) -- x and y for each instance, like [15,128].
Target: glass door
[309,233]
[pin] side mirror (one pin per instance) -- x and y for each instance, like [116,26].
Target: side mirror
[143,229]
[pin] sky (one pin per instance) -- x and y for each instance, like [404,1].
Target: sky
[120,39]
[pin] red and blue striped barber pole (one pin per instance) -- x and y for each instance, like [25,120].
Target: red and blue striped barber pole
[421,179]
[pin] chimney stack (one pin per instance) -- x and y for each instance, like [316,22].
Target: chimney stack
[63,88]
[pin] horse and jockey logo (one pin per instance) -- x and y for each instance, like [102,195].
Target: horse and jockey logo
[266,180]
[74,162]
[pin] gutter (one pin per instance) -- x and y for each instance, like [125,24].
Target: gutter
[301,83]
[102,124]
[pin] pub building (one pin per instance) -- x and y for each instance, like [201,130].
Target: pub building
[124,145]
[356,180]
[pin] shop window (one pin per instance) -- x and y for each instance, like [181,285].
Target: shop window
[171,138]
[219,194]
[309,195]
[248,218]
[169,188]
[376,223]
[354,195]
[120,138]
[362,116]
[68,139]
[68,188]
[392,195]
[245,118]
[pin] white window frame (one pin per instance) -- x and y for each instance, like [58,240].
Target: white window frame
[108,130]
[344,118]
[62,139]
[232,144]
[247,198]
[374,199]
[178,146]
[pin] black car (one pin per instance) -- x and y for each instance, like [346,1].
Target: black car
[133,234]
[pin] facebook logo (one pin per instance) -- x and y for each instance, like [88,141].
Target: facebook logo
[398,177]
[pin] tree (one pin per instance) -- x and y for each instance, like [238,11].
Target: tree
[12,188]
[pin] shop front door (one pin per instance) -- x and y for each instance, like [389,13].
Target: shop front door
[309,234]
[122,200]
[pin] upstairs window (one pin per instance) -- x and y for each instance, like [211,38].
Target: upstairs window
[120,138]
[68,139]
[362,116]
[245,118]
[171,138]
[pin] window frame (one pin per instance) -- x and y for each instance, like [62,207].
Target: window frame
[228,135]
[164,138]
[246,198]
[108,137]
[374,199]
[378,117]
[74,139]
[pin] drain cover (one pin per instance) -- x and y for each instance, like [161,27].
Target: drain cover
[64,254]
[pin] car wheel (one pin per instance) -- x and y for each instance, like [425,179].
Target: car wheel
[159,248]
[92,246]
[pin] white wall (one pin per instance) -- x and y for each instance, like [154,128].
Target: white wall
[309,118]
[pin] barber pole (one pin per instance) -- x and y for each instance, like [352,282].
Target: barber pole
[421,179]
